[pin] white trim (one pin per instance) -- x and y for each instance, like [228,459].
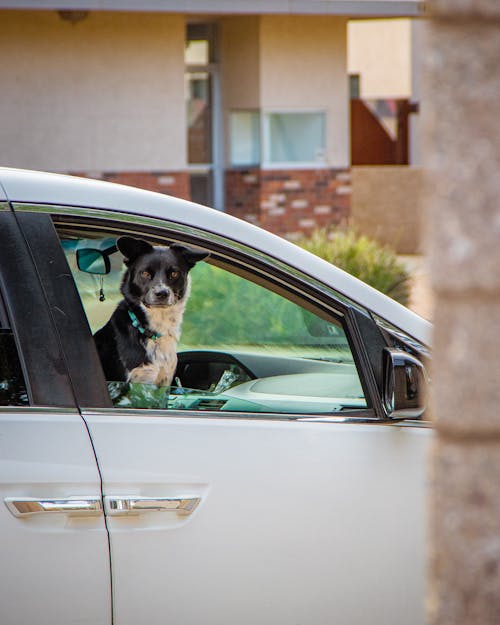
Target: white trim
[199,168]
[298,165]
[354,8]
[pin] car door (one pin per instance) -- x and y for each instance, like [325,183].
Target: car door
[54,548]
[286,515]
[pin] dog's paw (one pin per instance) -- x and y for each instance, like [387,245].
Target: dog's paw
[145,374]
[164,377]
[151,374]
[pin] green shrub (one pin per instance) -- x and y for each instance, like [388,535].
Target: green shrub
[364,258]
[226,309]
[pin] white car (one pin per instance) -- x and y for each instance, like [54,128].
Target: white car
[279,480]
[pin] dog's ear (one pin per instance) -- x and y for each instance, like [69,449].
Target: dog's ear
[133,248]
[189,254]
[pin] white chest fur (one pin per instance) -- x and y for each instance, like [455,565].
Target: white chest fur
[162,352]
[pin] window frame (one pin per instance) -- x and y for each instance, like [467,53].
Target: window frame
[263,138]
[247,263]
[233,139]
[45,376]
[4,318]
[267,163]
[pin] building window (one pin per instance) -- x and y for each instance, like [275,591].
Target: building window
[294,137]
[199,57]
[197,51]
[12,385]
[199,117]
[244,138]
[354,86]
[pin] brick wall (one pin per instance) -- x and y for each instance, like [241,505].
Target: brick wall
[171,183]
[289,202]
[242,188]
[299,201]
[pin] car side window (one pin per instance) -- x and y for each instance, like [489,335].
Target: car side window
[12,385]
[243,347]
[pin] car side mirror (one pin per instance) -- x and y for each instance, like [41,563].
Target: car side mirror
[93,261]
[405,383]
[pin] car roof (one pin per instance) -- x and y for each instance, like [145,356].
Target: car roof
[47,188]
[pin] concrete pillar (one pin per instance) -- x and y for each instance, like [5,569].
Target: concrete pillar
[462,153]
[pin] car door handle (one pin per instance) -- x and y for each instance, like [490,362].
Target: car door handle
[22,507]
[134,505]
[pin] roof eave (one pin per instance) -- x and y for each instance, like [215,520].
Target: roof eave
[349,8]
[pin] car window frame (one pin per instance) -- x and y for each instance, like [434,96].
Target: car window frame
[245,262]
[31,323]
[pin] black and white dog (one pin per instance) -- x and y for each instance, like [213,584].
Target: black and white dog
[139,342]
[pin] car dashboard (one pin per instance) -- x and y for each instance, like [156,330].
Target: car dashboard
[249,382]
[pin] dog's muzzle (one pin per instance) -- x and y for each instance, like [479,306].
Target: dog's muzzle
[160,296]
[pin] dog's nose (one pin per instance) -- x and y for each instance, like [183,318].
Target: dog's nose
[161,292]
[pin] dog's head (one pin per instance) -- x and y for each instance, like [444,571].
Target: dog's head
[156,276]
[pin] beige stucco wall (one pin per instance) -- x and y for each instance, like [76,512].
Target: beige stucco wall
[380,51]
[303,67]
[386,205]
[97,95]
[239,39]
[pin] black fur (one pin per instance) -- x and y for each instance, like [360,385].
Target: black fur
[150,280]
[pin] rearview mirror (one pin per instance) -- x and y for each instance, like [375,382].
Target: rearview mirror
[404,385]
[93,261]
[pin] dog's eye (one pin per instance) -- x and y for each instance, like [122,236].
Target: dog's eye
[174,275]
[146,275]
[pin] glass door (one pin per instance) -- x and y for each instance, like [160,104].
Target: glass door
[203,115]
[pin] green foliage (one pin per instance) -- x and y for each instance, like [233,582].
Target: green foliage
[226,309]
[363,258]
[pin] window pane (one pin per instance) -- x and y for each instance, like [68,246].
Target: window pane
[199,112]
[199,48]
[196,52]
[354,86]
[12,387]
[200,188]
[217,316]
[98,308]
[296,137]
[245,138]
[244,348]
